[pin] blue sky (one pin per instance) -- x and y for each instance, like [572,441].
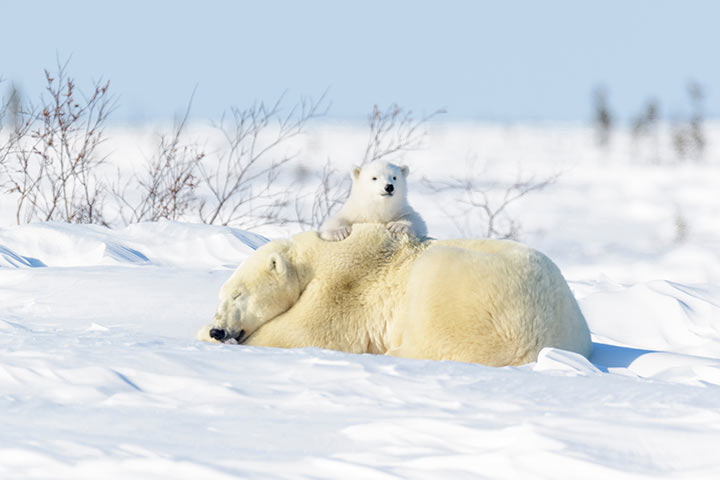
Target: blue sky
[506,60]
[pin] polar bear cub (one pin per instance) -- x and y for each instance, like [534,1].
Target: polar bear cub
[378,195]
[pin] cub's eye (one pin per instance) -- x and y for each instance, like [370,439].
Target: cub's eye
[394,178]
[374,178]
[237,295]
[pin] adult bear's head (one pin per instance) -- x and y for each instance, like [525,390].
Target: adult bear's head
[264,286]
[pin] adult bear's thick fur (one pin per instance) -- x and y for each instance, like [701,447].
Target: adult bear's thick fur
[486,301]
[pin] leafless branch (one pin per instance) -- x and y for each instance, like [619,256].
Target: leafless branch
[603,117]
[483,205]
[241,176]
[395,130]
[52,160]
[331,192]
[4,142]
[16,151]
[688,137]
[167,186]
[392,132]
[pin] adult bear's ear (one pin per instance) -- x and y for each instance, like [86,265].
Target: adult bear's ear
[356,173]
[405,170]
[277,264]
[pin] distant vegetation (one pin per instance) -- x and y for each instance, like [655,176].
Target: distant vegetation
[686,133]
[53,168]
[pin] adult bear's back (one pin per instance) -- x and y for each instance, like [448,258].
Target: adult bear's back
[487,301]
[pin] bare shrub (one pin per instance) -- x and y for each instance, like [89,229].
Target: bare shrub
[393,131]
[645,129]
[167,185]
[16,150]
[688,136]
[241,177]
[602,117]
[647,120]
[480,207]
[330,194]
[52,158]
[10,106]
[4,142]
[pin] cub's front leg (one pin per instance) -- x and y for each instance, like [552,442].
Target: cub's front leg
[336,235]
[335,229]
[400,226]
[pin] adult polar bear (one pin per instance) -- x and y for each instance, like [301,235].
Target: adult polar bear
[486,301]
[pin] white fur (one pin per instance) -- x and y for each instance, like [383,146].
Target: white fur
[369,202]
[486,301]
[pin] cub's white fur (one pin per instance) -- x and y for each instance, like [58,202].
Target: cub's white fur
[378,195]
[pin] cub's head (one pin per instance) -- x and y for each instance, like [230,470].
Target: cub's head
[263,287]
[381,180]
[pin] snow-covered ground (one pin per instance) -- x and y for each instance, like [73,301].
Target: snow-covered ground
[100,376]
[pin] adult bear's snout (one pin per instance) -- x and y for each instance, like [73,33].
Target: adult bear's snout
[218,334]
[389,188]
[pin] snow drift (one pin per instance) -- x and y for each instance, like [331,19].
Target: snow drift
[99,373]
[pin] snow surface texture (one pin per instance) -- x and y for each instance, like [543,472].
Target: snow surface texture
[100,376]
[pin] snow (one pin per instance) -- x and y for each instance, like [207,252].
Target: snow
[100,375]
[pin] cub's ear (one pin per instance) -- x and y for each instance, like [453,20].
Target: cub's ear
[356,173]
[405,170]
[277,264]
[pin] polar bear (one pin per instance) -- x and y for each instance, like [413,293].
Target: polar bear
[486,301]
[378,195]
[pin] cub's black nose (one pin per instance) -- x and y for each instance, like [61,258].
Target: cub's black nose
[218,334]
[389,188]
